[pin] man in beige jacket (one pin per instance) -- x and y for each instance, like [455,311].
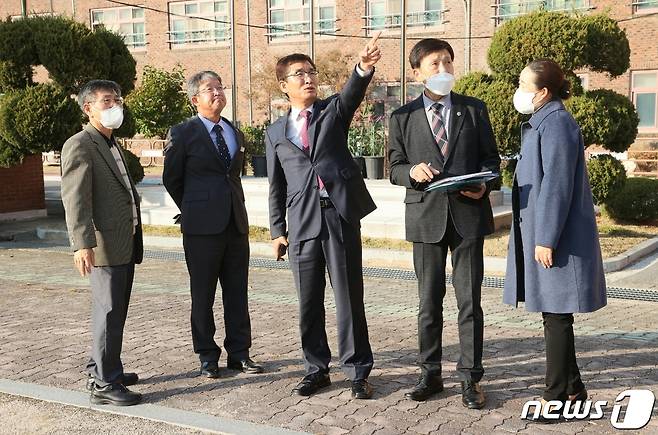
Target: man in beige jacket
[103,221]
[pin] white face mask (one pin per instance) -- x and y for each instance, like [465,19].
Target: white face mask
[440,84]
[523,101]
[112,118]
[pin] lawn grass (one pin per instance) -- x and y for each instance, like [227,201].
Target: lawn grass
[615,238]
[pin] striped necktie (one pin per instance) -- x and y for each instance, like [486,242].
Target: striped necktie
[439,129]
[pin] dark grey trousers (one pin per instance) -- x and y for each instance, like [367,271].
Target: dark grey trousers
[110,291]
[339,249]
[467,274]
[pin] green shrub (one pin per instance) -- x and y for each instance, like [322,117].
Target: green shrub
[606,176]
[254,137]
[540,34]
[507,172]
[606,118]
[160,102]
[39,118]
[637,201]
[134,167]
[128,127]
[497,95]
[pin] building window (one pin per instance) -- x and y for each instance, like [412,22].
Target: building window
[385,14]
[645,98]
[198,22]
[127,22]
[289,18]
[645,6]
[508,9]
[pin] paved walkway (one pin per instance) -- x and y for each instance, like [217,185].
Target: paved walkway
[44,340]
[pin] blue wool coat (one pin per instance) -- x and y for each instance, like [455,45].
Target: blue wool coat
[553,207]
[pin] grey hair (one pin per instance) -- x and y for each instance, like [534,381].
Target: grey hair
[194,81]
[89,90]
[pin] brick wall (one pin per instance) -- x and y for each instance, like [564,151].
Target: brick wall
[642,31]
[21,187]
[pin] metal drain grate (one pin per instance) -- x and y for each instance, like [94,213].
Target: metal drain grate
[371,272]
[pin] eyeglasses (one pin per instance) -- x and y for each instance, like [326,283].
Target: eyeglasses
[108,101]
[301,74]
[218,90]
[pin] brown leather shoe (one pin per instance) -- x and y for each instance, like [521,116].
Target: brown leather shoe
[361,389]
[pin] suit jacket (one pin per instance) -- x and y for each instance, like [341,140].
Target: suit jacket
[205,191]
[471,148]
[293,173]
[97,201]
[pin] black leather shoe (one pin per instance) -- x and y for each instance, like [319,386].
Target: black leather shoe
[312,383]
[361,389]
[209,369]
[425,387]
[245,366]
[127,379]
[472,395]
[114,394]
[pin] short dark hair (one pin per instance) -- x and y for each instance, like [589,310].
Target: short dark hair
[426,47]
[89,90]
[549,75]
[283,64]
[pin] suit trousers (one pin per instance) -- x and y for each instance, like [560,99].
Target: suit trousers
[110,291]
[338,247]
[211,258]
[467,274]
[562,374]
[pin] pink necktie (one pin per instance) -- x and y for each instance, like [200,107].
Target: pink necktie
[303,135]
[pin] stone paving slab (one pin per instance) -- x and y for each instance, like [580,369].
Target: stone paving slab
[44,339]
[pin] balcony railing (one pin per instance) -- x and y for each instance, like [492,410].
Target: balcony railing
[506,11]
[178,37]
[414,19]
[325,26]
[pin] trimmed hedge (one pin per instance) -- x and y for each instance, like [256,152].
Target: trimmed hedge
[134,167]
[637,201]
[606,176]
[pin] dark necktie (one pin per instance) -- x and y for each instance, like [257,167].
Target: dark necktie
[439,129]
[222,148]
[303,135]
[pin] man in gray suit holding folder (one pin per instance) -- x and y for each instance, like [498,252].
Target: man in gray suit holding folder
[103,221]
[314,179]
[447,134]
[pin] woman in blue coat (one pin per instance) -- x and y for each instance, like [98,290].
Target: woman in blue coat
[554,262]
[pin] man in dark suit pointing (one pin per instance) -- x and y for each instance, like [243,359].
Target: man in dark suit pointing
[203,160]
[314,179]
[442,132]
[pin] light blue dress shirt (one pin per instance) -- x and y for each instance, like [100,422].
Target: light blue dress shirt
[227,132]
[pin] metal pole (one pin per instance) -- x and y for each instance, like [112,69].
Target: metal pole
[251,105]
[403,50]
[73,8]
[234,88]
[467,41]
[311,30]
[24,8]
